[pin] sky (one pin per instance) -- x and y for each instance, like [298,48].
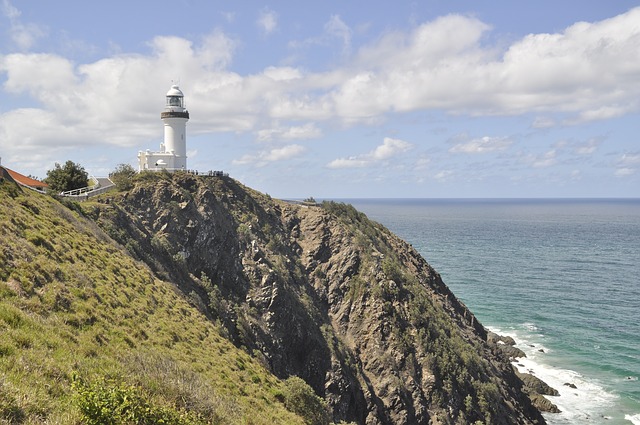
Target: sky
[334,99]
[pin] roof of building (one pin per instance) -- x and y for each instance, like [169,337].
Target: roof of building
[175,91]
[24,180]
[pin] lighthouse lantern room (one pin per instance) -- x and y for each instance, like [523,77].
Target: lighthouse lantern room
[173,151]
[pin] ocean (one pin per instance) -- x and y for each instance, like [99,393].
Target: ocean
[562,277]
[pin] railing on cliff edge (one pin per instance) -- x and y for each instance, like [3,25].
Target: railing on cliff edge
[102,184]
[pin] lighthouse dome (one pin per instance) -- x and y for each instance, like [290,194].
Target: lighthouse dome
[175,91]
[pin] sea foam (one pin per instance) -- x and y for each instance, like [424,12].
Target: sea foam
[634,419]
[587,403]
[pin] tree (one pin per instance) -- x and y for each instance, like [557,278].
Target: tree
[310,200]
[122,176]
[71,176]
[300,399]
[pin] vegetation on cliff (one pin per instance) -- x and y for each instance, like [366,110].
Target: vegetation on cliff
[321,293]
[216,300]
[82,321]
[69,176]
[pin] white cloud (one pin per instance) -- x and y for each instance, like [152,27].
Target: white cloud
[9,10]
[230,17]
[216,51]
[630,159]
[350,162]
[23,35]
[336,27]
[272,155]
[444,175]
[422,163]
[285,152]
[627,164]
[625,172]
[268,21]
[587,71]
[387,150]
[282,73]
[588,148]
[104,102]
[583,69]
[601,113]
[44,76]
[307,131]
[544,160]
[543,122]
[482,145]
[576,175]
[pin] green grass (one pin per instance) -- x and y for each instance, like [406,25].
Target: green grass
[75,307]
[83,325]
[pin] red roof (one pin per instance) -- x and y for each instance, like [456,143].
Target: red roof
[27,181]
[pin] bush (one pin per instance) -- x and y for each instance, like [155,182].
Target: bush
[123,176]
[71,176]
[109,403]
[300,399]
[392,270]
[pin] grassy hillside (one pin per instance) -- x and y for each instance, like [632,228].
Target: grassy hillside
[83,327]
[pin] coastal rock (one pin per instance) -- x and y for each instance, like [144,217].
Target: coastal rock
[543,404]
[537,389]
[323,293]
[570,385]
[494,338]
[505,345]
[512,352]
[533,384]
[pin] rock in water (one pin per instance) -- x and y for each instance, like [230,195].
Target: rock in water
[533,384]
[543,404]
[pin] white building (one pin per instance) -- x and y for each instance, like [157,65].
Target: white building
[173,152]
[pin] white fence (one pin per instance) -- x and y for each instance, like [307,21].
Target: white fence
[101,185]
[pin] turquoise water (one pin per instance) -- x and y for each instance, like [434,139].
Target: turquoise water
[561,276]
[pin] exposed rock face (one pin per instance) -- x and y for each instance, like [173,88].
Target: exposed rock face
[535,384]
[325,294]
[506,344]
[537,389]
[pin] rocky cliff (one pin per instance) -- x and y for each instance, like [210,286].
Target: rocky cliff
[322,293]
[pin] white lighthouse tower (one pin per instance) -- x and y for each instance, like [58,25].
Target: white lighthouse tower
[173,152]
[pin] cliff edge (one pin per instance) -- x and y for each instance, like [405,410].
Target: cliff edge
[323,293]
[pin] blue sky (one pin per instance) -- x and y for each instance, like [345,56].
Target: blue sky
[335,99]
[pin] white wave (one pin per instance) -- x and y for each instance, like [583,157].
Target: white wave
[587,403]
[634,419]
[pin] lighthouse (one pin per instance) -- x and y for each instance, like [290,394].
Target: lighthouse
[173,151]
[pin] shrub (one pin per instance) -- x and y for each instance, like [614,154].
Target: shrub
[110,403]
[392,270]
[65,177]
[123,176]
[300,399]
